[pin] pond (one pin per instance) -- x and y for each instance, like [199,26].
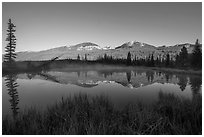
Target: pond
[121,86]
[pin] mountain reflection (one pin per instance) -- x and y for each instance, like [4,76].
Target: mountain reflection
[131,79]
[43,75]
[11,84]
[127,78]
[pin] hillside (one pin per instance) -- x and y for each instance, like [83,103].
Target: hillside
[93,51]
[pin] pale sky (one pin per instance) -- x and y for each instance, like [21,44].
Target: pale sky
[42,26]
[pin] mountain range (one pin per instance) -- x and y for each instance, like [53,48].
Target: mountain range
[93,51]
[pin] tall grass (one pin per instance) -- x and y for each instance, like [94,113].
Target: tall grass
[82,114]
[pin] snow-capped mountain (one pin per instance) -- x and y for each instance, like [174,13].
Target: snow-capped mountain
[134,44]
[93,51]
[85,46]
[107,48]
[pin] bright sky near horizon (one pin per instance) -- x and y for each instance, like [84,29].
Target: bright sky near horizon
[43,26]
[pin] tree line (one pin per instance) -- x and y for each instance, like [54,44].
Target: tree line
[182,60]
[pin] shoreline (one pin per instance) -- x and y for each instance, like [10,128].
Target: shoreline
[22,67]
[176,70]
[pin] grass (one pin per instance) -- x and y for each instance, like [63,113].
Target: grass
[83,114]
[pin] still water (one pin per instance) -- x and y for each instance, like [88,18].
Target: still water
[39,90]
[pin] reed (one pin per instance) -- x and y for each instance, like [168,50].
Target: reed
[87,115]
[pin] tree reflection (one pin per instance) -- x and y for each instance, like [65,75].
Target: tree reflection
[168,77]
[158,73]
[105,73]
[150,76]
[182,82]
[135,73]
[78,73]
[12,85]
[128,74]
[195,83]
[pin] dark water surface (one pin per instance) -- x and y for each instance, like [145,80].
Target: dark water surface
[22,91]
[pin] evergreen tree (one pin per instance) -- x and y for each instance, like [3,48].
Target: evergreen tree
[183,57]
[157,61]
[85,57]
[105,57]
[167,63]
[196,60]
[177,60]
[129,58]
[148,61]
[78,57]
[152,60]
[10,48]
[11,84]
[111,57]
[135,60]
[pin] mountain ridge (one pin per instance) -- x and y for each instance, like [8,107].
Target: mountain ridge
[93,51]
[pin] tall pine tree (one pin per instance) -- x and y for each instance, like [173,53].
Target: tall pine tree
[78,57]
[183,57]
[85,57]
[129,58]
[152,60]
[196,60]
[167,62]
[11,46]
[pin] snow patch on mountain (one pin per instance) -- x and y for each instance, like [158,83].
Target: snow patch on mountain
[132,44]
[91,47]
[107,48]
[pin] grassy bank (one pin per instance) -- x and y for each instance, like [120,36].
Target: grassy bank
[97,115]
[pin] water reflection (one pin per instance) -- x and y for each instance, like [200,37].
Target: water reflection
[134,80]
[150,76]
[78,73]
[11,84]
[127,78]
[168,77]
[195,83]
[48,77]
[128,74]
[182,82]
[105,73]
[43,75]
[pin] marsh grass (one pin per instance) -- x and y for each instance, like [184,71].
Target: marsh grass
[83,114]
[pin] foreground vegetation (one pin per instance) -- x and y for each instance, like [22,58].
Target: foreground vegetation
[83,114]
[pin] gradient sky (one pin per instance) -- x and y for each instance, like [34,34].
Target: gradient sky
[43,26]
